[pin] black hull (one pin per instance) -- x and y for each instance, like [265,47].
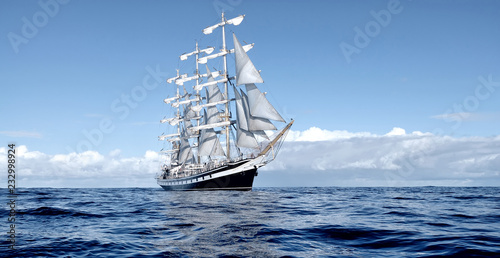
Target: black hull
[241,180]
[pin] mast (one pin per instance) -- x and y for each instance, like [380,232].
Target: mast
[208,30]
[226,90]
[197,102]
[178,114]
[178,124]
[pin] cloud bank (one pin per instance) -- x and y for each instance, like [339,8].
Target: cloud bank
[86,169]
[314,157]
[397,158]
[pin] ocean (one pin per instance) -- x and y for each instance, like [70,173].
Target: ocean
[264,222]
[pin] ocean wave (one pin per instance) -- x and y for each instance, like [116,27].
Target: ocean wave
[265,222]
[54,211]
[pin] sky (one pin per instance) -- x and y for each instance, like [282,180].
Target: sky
[383,93]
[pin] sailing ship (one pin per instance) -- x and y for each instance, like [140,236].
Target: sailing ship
[202,122]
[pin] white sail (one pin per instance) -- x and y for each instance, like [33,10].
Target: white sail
[206,142]
[241,117]
[213,94]
[261,134]
[245,70]
[212,115]
[167,101]
[244,137]
[200,86]
[176,104]
[174,157]
[170,80]
[217,149]
[204,60]
[163,137]
[213,74]
[195,77]
[185,153]
[189,113]
[175,118]
[245,120]
[255,123]
[201,127]
[214,97]
[208,51]
[199,107]
[175,121]
[168,151]
[209,143]
[183,80]
[260,106]
[246,47]
[213,91]
[188,125]
[234,21]
[179,80]
[172,120]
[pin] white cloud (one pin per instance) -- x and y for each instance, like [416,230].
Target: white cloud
[314,134]
[393,159]
[314,157]
[86,169]
[396,131]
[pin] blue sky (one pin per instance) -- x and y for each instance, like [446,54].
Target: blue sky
[420,71]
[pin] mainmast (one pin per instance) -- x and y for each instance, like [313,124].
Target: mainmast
[235,21]
[198,100]
[226,89]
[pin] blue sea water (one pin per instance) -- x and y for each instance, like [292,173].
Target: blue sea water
[265,222]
